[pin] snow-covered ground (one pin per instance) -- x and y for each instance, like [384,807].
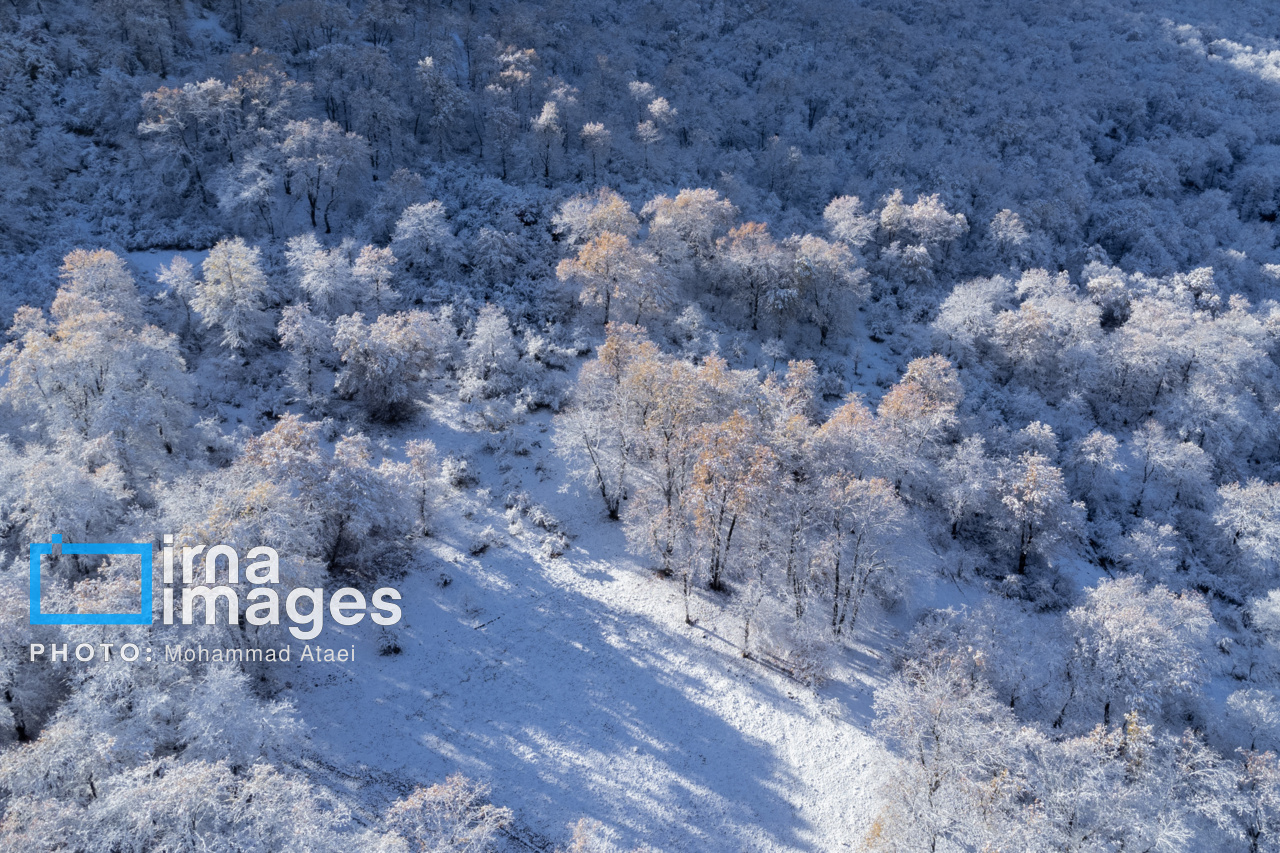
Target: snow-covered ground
[573,686]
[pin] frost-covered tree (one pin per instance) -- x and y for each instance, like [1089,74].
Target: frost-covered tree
[829,283]
[1011,238]
[372,270]
[966,322]
[490,361]
[591,836]
[322,163]
[598,140]
[193,127]
[596,430]
[1154,551]
[179,279]
[324,275]
[926,222]
[548,133]
[1173,472]
[683,230]
[862,518]
[443,99]
[585,217]
[730,475]
[1256,714]
[1052,340]
[423,237]
[959,775]
[1247,515]
[1137,648]
[970,477]
[922,407]
[99,280]
[918,236]
[48,492]
[848,221]
[1037,507]
[363,505]
[232,294]
[179,806]
[385,364]
[422,475]
[119,391]
[1259,803]
[337,508]
[309,340]
[609,269]
[216,729]
[669,401]
[755,272]
[853,439]
[1094,470]
[1132,786]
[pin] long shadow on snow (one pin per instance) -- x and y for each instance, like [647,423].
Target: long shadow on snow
[566,717]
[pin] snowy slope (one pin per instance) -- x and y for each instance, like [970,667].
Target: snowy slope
[573,686]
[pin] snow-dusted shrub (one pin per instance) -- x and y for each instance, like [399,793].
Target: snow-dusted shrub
[484,540]
[591,836]
[454,816]
[540,516]
[456,471]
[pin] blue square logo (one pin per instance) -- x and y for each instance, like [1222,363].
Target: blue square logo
[140,550]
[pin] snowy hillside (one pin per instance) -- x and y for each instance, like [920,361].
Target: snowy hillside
[674,426]
[575,686]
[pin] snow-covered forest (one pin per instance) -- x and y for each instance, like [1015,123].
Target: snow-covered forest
[799,426]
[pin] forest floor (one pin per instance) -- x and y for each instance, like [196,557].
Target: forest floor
[573,686]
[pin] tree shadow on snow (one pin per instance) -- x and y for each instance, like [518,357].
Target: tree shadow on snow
[566,716]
